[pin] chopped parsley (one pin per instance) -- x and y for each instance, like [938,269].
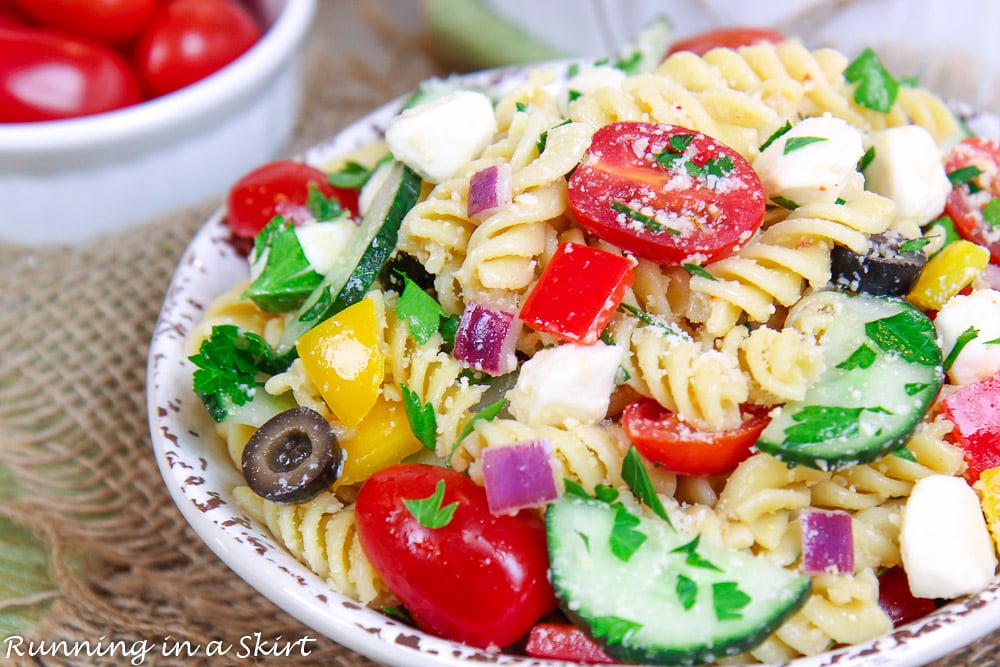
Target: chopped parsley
[423,314]
[816,423]
[728,599]
[913,245]
[991,212]
[776,135]
[693,558]
[351,176]
[423,420]
[647,222]
[795,143]
[613,629]
[785,202]
[686,590]
[876,88]
[428,511]
[866,159]
[625,540]
[648,319]
[963,339]
[700,271]
[863,357]
[488,413]
[906,333]
[637,478]
[964,175]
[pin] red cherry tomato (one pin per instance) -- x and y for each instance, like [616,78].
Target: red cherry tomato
[897,601]
[729,38]
[564,641]
[48,76]
[663,438]
[666,193]
[109,21]
[279,188]
[974,410]
[480,578]
[186,40]
[967,201]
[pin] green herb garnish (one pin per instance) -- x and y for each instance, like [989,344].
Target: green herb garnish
[963,339]
[991,212]
[687,591]
[863,357]
[700,271]
[351,176]
[647,222]
[693,558]
[907,334]
[785,202]
[913,245]
[637,478]
[964,175]
[776,134]
[876,88]
[613,629]
[625,540]
[423,314]
[866,159]
[728,599]
[795,143]
[428,511]
[423,420]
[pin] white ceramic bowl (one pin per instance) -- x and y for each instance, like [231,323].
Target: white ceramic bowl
[200,477]
[70,180]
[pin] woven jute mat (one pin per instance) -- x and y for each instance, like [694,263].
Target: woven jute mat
[92,548]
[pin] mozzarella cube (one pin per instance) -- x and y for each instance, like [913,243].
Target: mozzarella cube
[980,310]
[593,77]
[566,385]
[816,172]
[323,243]
[907,168]
[945,545]
[437,138]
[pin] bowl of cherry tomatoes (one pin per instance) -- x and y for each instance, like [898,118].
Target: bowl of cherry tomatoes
[120,111]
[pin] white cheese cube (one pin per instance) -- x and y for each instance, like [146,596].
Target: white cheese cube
[324,242]
[437,138]
[945,545]
[907,168]
[593,77]
[566,385]
[980,310]
[814,172]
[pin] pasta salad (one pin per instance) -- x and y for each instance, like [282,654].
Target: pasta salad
[667,359]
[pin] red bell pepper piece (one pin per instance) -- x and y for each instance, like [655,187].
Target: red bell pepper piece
[975,411]
[563,641]
[578,293]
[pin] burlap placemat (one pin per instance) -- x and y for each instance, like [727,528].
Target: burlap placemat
[91,546]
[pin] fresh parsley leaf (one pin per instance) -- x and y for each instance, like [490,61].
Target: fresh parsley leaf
[863,357]
[585,538]
[687,591]
[574,95]
[785,202]
[647,222]
[795,143]
[423,420]
[422,312]
[637,478]
[816,423]
[520,106]
[398,613]
[488,413]
[776,135]
[605,493]
[543,139]
[914,388]
[911,81]
[693,558]
[571,71]
[721,165]
[995,341]
[866,159]
[700,271]
[574,489]
[964,175]
[963,339]
[613,629]
[229,363]
[322,207]
[876,88]
[679,142]
[906,333]
[904,453]
[728,600]
[991,212]
[631,64]
[913,245]
[287,278]
[351,176]
[625,540]
[428,511]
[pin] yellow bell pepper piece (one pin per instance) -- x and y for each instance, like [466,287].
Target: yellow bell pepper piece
[989,490]
[343,359]
[948,273]
[383,438]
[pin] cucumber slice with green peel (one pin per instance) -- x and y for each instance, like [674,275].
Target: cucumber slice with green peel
[366,253]
[669,600]
[883,370]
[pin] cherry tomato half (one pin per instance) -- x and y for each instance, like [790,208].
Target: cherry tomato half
[666,193]
[479,578]
[108,21]
[974,206]
[186,40]
[48,76]
[663,438]
[279,188]
[729,38]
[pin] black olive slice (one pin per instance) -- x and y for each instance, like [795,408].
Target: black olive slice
[293,457]
[883,270]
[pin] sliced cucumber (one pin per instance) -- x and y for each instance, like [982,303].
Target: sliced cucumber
[883,370]
[366,253]
[672,601]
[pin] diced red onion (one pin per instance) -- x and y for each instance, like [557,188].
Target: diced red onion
[519,475]
[489,190]
[827,542]
[486,339]
[991,274]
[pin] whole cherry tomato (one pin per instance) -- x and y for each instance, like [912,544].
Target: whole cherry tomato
[663,438]
[729,38]
[462,572]
[279,188]
[109,21]
[666,193]
[186,40]
[974,203]
[48,76]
